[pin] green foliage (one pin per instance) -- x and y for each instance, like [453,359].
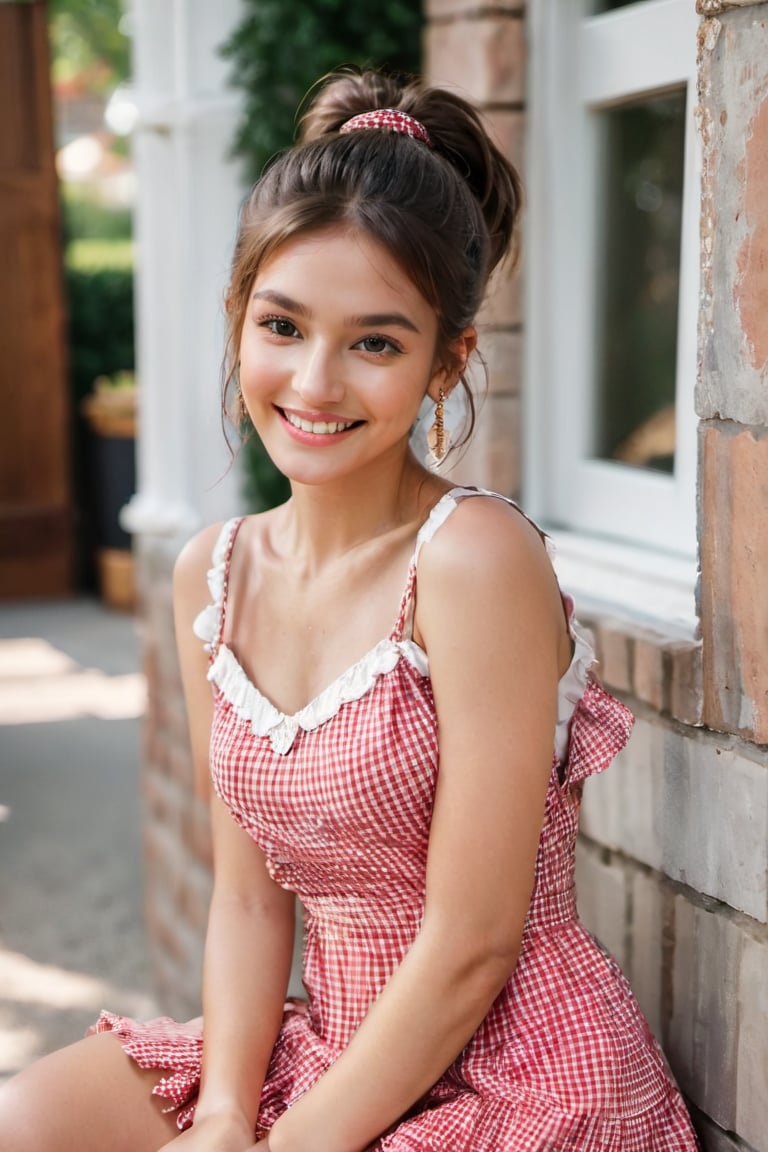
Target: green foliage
[281,48]
[264,486]
[85,217]
[88,41]
[98,289]
[99,296]
[93,255]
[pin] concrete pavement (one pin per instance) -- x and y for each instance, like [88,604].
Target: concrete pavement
[71,926]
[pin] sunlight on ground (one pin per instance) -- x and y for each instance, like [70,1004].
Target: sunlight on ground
[39,683]
[44,990]
[24,980]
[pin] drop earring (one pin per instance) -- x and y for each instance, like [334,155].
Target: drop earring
[240,411]
[438,439]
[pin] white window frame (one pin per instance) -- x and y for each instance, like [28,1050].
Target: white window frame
[580,64]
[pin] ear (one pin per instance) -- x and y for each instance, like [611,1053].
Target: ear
[446,375]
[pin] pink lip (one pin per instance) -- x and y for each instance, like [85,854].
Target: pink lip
[319,417]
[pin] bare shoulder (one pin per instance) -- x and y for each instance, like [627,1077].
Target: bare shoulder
[190,572]
[487,570]
[483,539]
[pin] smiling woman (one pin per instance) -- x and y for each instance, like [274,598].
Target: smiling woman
[402,717]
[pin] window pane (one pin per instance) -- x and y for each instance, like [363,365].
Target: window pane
[640,211]
[609,5]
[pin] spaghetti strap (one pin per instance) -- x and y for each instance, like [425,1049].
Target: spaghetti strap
[447,504]
[209,624]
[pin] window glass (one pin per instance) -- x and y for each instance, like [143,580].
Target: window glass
[599,6]
[640,212]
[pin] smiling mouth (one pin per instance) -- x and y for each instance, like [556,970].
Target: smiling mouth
[319,427]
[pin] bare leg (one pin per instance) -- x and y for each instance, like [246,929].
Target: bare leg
[85,1098]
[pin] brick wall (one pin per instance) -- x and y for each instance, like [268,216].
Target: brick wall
[480,51]
[177,853]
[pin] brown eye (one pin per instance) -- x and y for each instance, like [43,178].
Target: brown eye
[280,326]
[378,345]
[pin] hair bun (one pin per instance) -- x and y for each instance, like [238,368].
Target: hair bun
[454,127]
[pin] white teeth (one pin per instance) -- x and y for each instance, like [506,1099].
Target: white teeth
[321,428]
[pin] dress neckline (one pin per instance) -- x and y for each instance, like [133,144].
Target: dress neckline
[241,690]
[248,701]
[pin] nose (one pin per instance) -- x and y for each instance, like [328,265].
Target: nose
[318,379]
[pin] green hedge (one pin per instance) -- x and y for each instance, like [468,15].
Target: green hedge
[279,50]
[99,299]
[98,284]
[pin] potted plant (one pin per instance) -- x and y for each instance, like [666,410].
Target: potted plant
[111,412]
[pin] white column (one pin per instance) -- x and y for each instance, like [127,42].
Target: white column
[189,191]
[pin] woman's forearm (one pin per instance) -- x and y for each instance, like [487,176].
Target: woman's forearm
[247,965]
[429,1010]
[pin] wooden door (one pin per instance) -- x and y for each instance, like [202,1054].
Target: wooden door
[36,538]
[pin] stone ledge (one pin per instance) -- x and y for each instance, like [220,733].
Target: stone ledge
[661,670]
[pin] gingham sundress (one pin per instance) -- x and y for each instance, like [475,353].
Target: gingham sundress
[339,798]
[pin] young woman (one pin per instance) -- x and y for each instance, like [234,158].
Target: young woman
[401,719]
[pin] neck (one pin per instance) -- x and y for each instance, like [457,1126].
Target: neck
[323,522]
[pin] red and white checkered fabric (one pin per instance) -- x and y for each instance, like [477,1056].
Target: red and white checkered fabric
[564,1058]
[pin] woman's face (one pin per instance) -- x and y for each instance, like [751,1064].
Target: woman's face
[337,352]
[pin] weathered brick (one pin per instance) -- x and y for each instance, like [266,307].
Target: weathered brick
[602,900]
[644,962]
[492,456]
[648,670]
[714,1139]
[616,656]
[449,9]
[734,588]
[196,897]
[507,130]
[734,298]
[482,59]
[752,1103]
[693,808]
[702,1041]
[161,798]
[713,812]
[196,831]
[502,352]
[686,684]
[621,806]
[502,304]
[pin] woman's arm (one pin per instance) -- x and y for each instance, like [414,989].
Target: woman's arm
[249,940]
[491,618]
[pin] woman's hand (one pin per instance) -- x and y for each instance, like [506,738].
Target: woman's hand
[216,1133]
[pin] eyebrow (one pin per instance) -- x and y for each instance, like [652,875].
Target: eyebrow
[373,320]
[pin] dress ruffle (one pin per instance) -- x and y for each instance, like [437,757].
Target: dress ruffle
[452,1117]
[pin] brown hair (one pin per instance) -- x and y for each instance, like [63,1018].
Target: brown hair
[445,214]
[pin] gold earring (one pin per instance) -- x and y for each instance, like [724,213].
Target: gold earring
[437,437]
[239,412]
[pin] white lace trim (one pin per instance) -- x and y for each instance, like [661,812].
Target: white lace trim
[207,623]
[572,684]
[228,675]
[266,720]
